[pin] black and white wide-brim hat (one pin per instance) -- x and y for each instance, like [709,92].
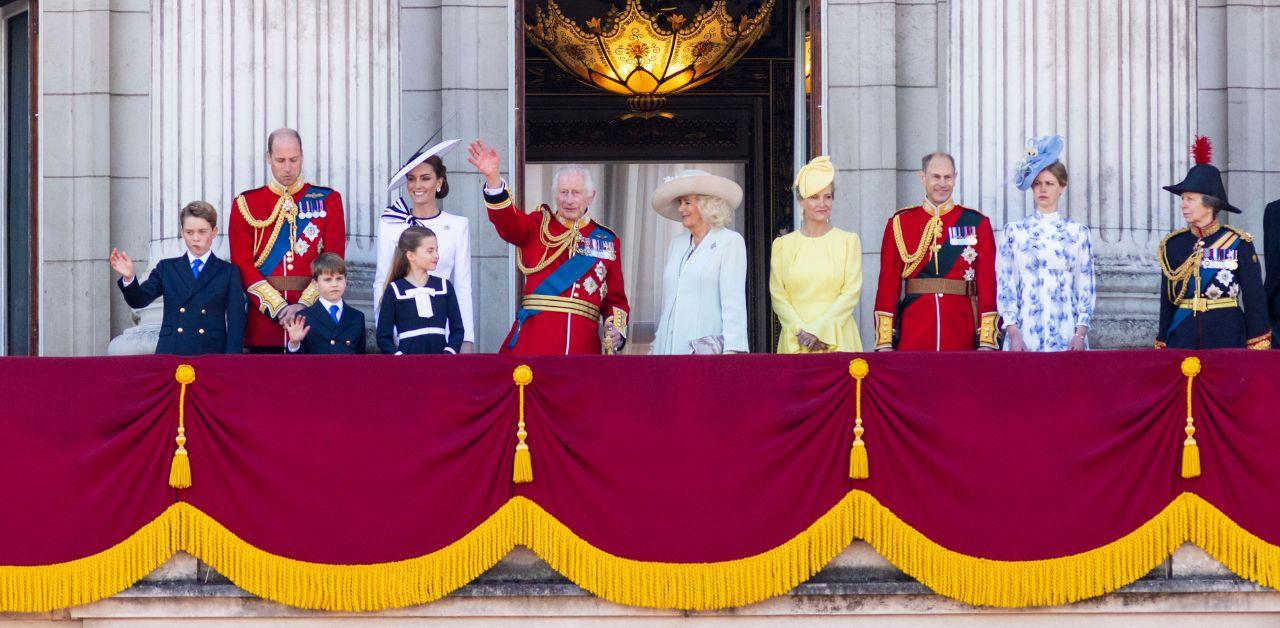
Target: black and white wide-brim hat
[439,149]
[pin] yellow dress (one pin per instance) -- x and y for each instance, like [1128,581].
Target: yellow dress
[815,284]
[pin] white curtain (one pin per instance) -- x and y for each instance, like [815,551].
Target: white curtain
[624,193]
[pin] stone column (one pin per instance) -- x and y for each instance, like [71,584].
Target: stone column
[226,74]
[457,72]
[1118,80]
[884,98]
[1240,101]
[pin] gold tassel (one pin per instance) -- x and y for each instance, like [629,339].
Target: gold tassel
[180,470]
[522,473]
[1190,450]
[859,466]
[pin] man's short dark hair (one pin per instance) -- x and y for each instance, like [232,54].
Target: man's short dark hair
[924,161]
[328,264]
[285,132]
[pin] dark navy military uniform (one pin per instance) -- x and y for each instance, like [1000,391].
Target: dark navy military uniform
[413,319]
[1211,291]
[1271,242]
[204,314]
[341,337]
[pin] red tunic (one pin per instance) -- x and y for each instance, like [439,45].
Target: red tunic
[966,251]
[554,332]
[320,227]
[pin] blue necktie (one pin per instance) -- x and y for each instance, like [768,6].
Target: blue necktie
[195,268]
[333,311]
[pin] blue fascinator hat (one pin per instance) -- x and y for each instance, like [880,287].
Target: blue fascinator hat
[1041,153]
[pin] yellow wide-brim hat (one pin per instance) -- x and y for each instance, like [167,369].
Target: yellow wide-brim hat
[815,176]
[666,199]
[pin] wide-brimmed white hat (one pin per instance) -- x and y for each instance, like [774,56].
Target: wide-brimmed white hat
[666,199]
[439,149]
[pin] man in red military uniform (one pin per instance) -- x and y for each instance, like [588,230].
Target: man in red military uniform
[572,266]
[275,232]
[937,272]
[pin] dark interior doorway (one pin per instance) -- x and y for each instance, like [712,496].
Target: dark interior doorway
[745,116]
[19,261]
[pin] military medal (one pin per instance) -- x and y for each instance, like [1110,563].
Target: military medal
[962,236]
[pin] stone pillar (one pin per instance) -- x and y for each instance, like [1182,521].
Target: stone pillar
[1240,101]
[884,99]
[226,74]
[457,73]
[1118,80]
[77,92]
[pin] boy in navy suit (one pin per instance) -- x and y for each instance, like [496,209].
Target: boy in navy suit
[204,302]
[328,325]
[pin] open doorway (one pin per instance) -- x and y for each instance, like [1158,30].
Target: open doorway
[17,140]
[752,118]
[624,192]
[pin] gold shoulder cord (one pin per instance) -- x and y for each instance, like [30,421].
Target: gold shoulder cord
[555,245]
[1181,276]
[284,209]
[932,230]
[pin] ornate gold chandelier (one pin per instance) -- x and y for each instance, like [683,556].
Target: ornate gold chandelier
[647,56]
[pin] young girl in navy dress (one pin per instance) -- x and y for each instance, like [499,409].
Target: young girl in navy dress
[416,304]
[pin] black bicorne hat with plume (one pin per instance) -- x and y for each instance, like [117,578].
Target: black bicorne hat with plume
[1203,177]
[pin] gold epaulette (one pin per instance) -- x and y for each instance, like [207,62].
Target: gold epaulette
[1244,235]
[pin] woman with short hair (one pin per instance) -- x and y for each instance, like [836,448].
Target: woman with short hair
[815,272]
[1211,292]
[704,301]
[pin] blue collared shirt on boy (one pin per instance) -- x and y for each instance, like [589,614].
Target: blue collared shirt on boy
[335,329]
[204,304]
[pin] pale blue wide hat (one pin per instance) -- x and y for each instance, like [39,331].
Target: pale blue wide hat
[1041,153]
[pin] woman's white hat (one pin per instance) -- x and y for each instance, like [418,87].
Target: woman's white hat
[422,155]
[666,199]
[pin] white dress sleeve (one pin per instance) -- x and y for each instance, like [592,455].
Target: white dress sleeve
[462,280]
[386,246]
[733,294]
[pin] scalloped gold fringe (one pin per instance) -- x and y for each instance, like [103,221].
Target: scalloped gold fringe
[977,581]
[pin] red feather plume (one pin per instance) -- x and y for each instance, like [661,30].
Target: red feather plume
[1202,150]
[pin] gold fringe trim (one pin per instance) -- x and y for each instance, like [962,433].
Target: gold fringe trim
[693,586]
[1014,584]
[349,587]
[43,588]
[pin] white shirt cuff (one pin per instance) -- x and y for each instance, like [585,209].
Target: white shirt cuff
[496,191]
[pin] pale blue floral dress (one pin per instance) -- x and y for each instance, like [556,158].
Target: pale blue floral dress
[1044,278]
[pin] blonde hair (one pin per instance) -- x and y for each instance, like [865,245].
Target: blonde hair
[715,210]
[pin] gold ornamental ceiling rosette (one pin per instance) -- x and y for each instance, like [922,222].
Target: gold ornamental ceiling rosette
[644,55]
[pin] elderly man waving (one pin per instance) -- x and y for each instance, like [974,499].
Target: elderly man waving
[572,265]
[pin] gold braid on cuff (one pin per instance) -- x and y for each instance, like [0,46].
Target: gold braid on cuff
[270,301]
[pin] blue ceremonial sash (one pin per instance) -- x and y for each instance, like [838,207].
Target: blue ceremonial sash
[558,281]
[280,248]
[311,203]
[1206,276]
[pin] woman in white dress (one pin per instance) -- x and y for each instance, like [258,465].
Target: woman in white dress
[426,181]
[1044,266]
[704,300]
